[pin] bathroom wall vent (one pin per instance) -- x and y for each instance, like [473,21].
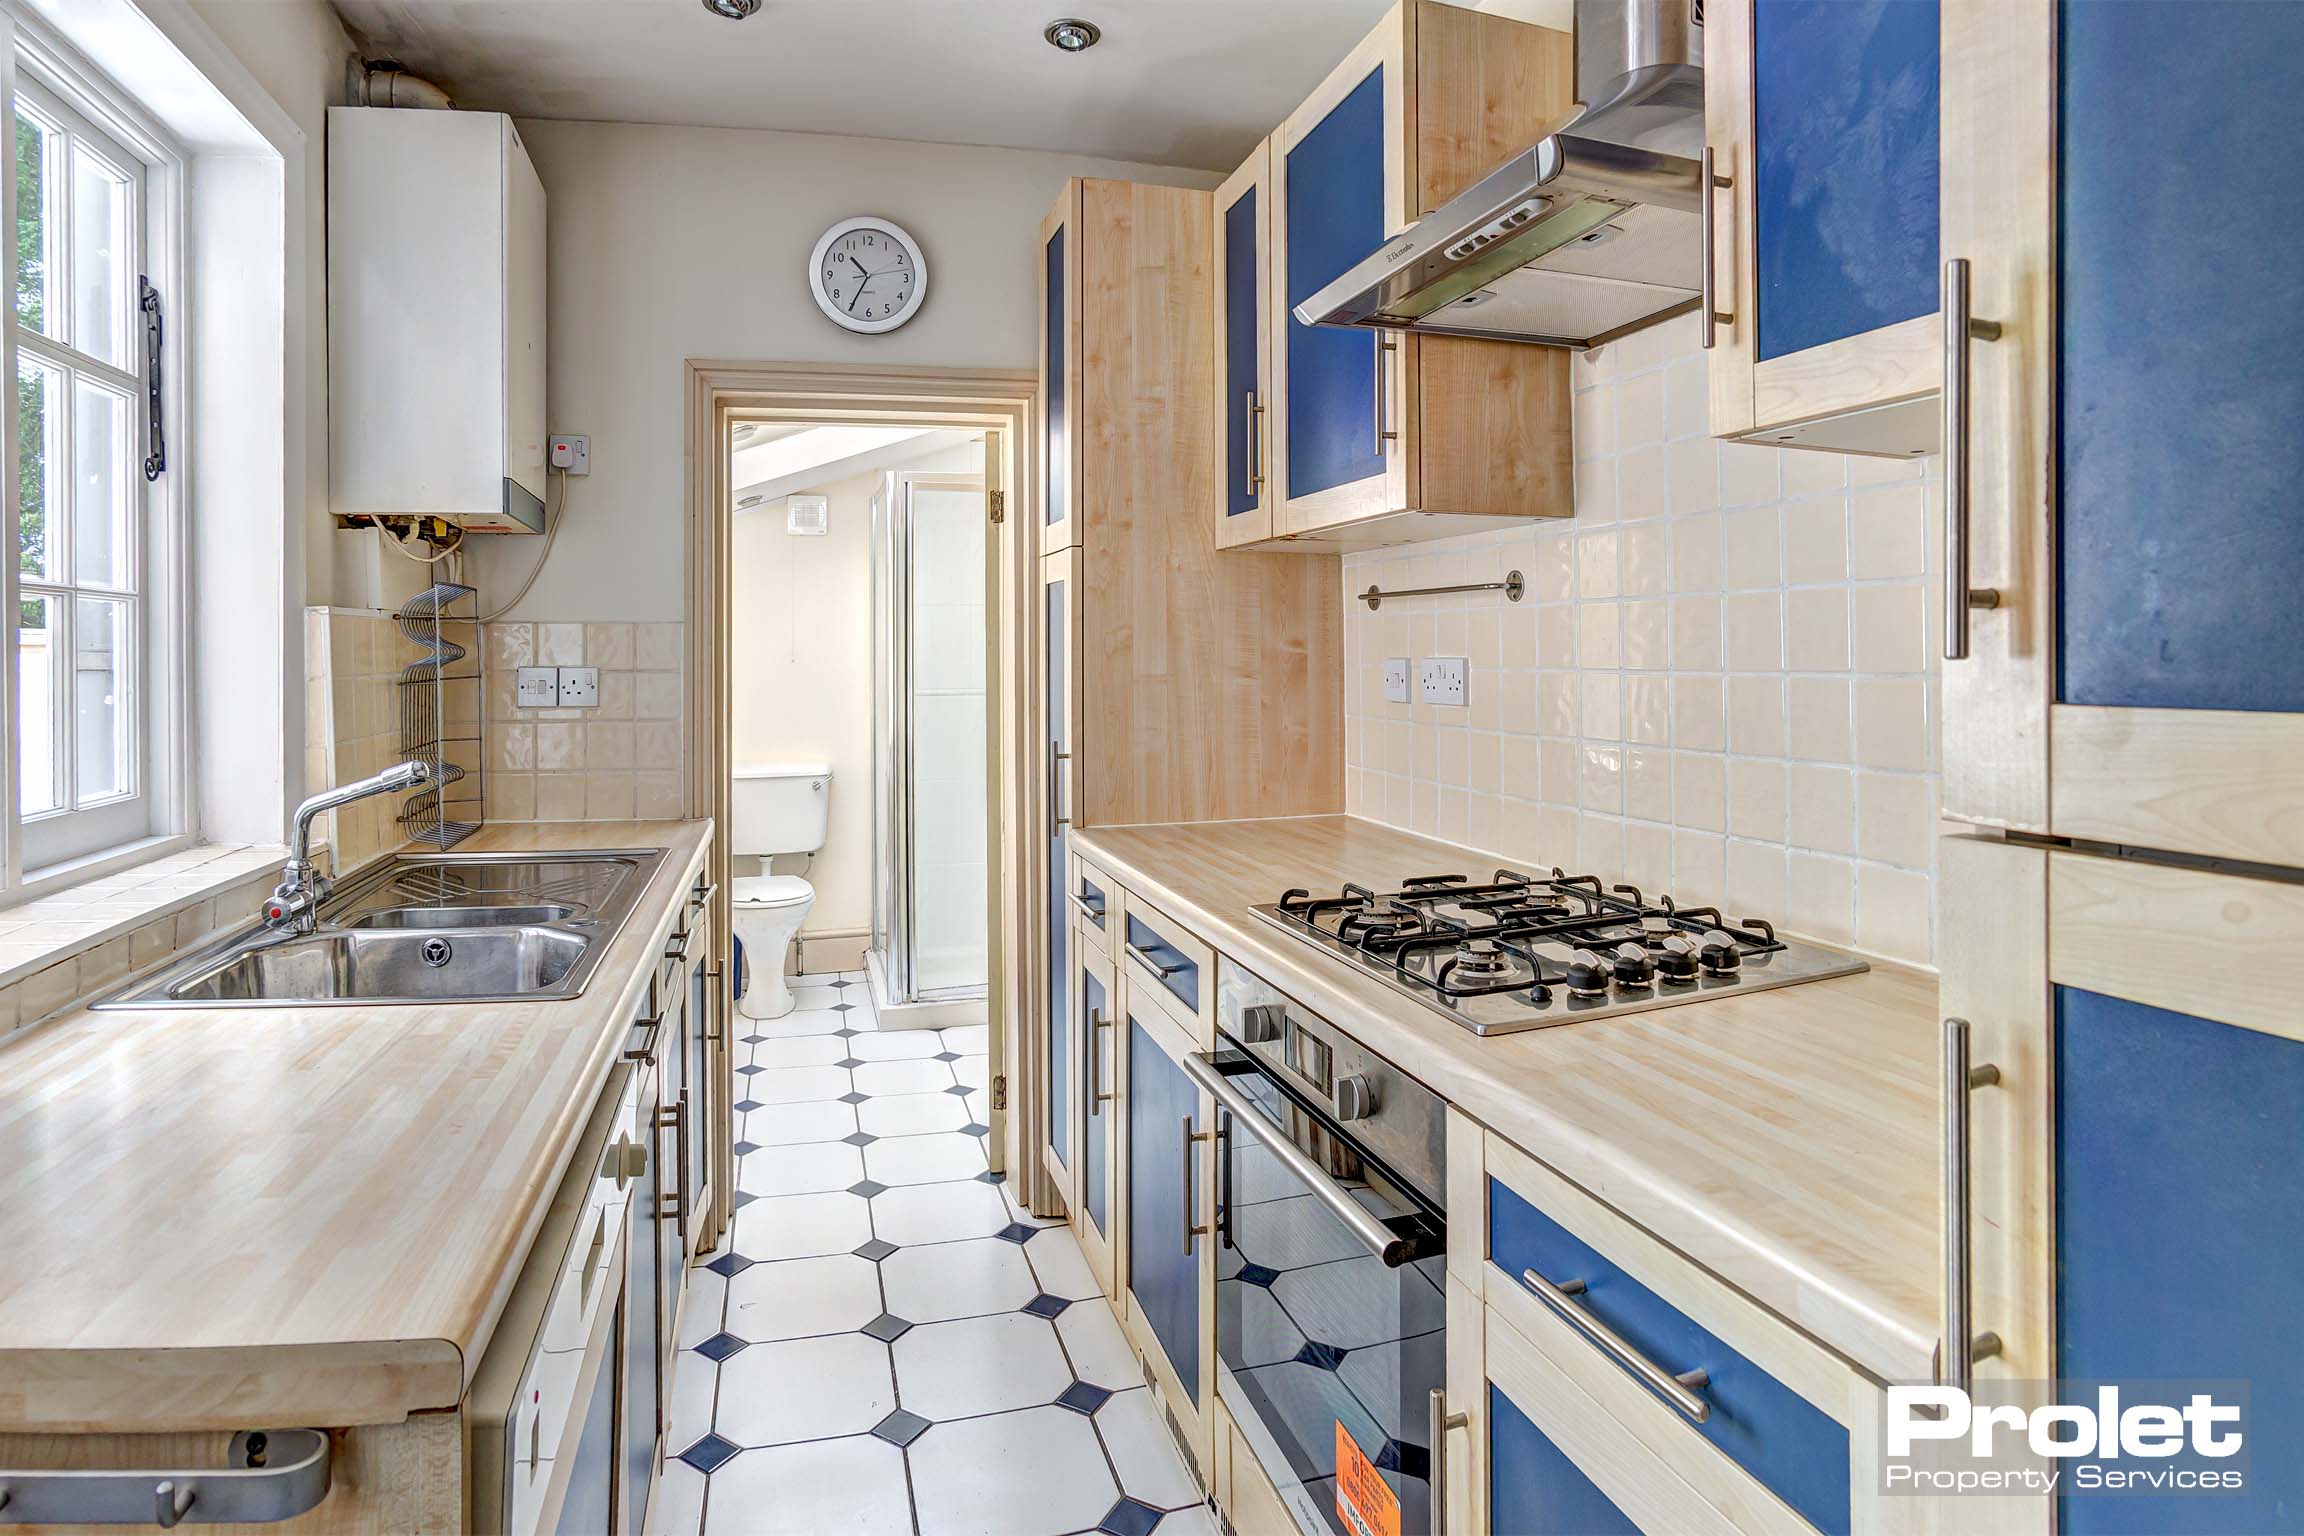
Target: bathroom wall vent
[808,514]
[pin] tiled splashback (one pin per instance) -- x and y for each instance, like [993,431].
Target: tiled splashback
[616,762]
[1721,680]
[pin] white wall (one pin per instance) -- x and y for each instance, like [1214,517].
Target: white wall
[672,243]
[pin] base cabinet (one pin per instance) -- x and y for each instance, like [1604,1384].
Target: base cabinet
[1168,1177]
[1534,1489]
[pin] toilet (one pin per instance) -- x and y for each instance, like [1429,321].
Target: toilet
[776,808]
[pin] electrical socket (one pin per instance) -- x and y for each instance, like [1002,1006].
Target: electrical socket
[1444,680]
[570,452]
[579,687]
[1395,679]
[538,687]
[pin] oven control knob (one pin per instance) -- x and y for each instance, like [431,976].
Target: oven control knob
[1676,962]
[1260,1023]
[1355,1097]
[1587,975]
[1634,970]
[1720,955]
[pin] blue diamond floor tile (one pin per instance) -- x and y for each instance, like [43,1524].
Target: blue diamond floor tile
[1016,1232]
[975,1130]
[1129,1517]
[860,1139]
[1257,1274]
[854,1098]
[709,1453]
[1083,1397]
[1045,1305]
[1326,1356]
[729,1265]
[875,1250]
[867,1188]
[720,1346]
[887,1328]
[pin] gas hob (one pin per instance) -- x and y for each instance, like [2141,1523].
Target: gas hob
[1528,952]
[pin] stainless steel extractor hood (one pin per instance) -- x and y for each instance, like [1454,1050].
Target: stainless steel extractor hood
[1587,235]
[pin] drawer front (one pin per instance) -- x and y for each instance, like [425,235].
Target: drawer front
[1534,1489]
[1163,952]
[1095,902]
[1790,1446]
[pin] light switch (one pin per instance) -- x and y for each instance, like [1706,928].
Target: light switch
[538,687]
[579,687]
[1444,680]
[1395,679]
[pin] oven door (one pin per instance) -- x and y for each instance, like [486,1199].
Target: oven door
[1330,1309]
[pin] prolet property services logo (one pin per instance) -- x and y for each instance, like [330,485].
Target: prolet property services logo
[2067,1438]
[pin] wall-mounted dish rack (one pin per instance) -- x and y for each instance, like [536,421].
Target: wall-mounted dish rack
[441,706]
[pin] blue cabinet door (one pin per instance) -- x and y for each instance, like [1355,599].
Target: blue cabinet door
[1054,617]
[1845,125]
[1053,461]
[2180,1239]
[2180,357]
[1243,346]
[1096,1154]
[1535,1490]
[1163,1268]
[647,1322]
[1335,216]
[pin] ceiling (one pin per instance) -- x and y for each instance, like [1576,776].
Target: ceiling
[770,461]
[1174,82]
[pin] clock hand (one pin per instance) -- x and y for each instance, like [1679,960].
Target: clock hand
[859,266]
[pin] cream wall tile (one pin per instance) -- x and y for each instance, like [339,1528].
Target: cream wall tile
[1756,799]
[1755,625]
[1751,548]
[1700,790]
[1647,634]
[560,797]
[1816,629]
[1820,897]
[1816,541]
[1895,818]
[1889,633]
[1699,713]
[1822,809]
[559,645]
[1648,786]
[1894,912]
[1756,715]
[1888,532]
[608,645]
[1817,719]
[656,647]
[1696,643]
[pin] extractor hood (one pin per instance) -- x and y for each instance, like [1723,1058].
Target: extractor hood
[1587,235]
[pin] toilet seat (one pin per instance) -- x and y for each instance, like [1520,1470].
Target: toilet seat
[757,891]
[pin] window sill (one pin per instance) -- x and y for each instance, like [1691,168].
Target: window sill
[60,947]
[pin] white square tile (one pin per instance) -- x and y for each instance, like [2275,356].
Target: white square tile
[695,1379]
[706,1305]
[967,1039]
[807,1169]
[973,1365]
[796,1298]
[799,1051]
[778,1125]
[947,1280]
[676,1508]
[911,1114]
[972,1071]
[895,1045]
[934,1213]
[1035,1473]
[798,1226]
[1146,1458]
[854,1487]
[935,1159]
[1062,1267]
[804,1389]
[811,992]
[1100,1352]
[800,1021]
[902,1077]
[793,1085]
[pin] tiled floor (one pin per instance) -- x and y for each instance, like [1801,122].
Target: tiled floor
[887,1343]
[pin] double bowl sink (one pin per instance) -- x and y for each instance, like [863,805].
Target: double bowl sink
[422,928]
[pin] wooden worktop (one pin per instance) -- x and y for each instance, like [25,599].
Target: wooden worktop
[1786,1140]
[246,1218]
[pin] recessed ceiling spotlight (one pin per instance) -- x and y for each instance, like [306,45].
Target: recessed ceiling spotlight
[1071,34]
[733,10]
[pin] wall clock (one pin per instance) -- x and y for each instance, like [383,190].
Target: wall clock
[868,275]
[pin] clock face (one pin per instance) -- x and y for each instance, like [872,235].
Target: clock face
[868,275]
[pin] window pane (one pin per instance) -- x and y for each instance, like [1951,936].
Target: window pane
[103,289]
[100,481]
[39,438]
[36,148]
[36,662]
[99,696]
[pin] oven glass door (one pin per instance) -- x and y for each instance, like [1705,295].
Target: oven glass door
[1327,1357]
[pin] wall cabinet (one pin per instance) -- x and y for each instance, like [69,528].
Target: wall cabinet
[2126,489]
[1243,351]
[1361,438]
[1822,119]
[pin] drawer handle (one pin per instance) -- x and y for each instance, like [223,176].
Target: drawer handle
[1678,1390]
[1707,279]
[1960,328]
[1438,1421]
[676,948]
[1091,910]
[271,1475]
[1160,968]
[1963,1346]
[646,1049]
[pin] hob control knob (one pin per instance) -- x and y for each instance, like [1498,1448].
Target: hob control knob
[1260,1023]
[1587,974]
[1634,970]
[1355,1097]
[1676,960]
[1720,955]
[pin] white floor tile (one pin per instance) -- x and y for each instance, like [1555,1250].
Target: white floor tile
[799,1051]
[859,977]
[948,1280]
[799,1226]
[810,1168]
[1062,1267]
[793,1085]
[703,1308]
[935,1213]
[971,1478]
[972,1071]
[794,1298]
[803,1020]
[804,1389]
[980,1365]
[979,1107]
[1099,1350]
[923,1159]
[895,1045]
[852,1487]
[814,992]
[911,1114]
[1017,1209]
[1150,1468]
[780,1125]
[676,1503]
[901,1077]
[967,1039]
[1198,1520]
[693,1379]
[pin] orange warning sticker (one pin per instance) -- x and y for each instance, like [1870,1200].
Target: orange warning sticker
[1364,1501]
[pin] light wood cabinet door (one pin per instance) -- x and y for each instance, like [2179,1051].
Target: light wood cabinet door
[1244,308]
[1822,118]
[1055,784]
[1097,1028]
[1059,287]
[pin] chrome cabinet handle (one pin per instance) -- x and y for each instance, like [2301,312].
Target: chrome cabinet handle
[1437,1422]
[1677,1389]
[1963,1346]
[1960,328]
[675,1118]
[1708,278]
[1191,1230]
[1056,817]
[646,1049]
[1097,1024]
[270,1475]
[1154,963]
[1384,434]
[1092,910]
[1251,413]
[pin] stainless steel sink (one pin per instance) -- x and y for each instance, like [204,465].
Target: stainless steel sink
[427,928]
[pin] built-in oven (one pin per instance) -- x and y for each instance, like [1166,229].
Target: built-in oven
[1331,1334]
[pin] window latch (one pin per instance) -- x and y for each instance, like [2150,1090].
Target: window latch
[148,301]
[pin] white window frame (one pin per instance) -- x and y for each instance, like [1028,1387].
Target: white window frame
[51,850]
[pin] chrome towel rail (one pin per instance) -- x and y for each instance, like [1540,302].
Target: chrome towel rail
[1511,586]
[271,1475]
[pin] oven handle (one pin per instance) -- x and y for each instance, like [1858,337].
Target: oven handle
[1378,1238]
